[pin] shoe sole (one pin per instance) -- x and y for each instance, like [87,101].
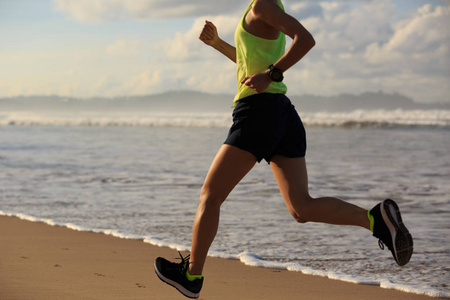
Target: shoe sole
[401,238]
[176,285]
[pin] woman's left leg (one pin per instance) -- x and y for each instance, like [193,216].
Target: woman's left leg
[291,176]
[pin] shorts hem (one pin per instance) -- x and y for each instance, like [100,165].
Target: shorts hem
[257,157]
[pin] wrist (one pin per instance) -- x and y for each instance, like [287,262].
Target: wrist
[217,44]
[275,74]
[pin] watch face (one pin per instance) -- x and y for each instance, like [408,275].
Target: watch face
[276,75]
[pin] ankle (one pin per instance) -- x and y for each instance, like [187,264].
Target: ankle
[194,269]
[371,220]
[193,277]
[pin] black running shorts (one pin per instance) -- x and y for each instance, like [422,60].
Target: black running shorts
[266,125]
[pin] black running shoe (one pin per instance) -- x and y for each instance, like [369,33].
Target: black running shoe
[390,230]
[174,274]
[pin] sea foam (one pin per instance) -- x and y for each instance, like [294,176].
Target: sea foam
[356,118]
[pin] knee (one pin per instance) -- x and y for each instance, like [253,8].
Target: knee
[210,198]
[300,217]
[302,213]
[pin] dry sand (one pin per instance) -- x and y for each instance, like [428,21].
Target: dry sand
[38,261]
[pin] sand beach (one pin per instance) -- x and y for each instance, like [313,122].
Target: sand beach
[39,261]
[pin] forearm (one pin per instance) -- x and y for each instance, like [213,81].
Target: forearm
[226,49]
[210,37]
[300,46]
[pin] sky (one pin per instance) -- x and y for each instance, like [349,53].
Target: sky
[112,48]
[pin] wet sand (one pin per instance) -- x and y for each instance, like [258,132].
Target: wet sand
[38,261]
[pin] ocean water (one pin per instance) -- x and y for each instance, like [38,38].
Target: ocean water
[139,176]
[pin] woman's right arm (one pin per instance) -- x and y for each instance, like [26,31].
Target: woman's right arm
[210,37]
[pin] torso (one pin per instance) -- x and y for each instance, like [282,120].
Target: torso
[258,27]
[257,46]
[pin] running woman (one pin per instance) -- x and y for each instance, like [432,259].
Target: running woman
[267,126]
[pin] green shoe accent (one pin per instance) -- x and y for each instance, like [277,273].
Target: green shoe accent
[193,277]
[371,219]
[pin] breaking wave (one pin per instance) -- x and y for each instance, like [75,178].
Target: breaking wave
[353,119]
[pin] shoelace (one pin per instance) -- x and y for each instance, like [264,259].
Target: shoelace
[184,264]
[183,259]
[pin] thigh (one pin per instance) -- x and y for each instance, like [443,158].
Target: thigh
[292,179]
[229,166]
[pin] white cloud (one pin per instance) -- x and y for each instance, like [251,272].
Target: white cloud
[303,10]
[361,45]
[420,44]
[364,47]
[424,32]
[93,11]
[143,84]
[187,47]
[184,46]
[124,48]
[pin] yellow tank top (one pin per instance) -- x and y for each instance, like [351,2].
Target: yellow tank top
[255,55]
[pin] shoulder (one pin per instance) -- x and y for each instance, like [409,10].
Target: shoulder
[265,5]
[267,9]
[263,9]
[266,1]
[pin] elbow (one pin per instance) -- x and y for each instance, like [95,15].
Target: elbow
[306,40]
[310,42]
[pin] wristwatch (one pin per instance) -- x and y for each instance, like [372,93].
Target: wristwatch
[275,74]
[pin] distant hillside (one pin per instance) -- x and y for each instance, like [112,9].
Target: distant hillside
[367,101]
[189,101]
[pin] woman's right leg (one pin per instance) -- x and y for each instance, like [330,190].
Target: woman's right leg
[230,165]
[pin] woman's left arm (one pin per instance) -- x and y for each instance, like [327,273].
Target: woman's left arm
[274,16]
[270,13]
